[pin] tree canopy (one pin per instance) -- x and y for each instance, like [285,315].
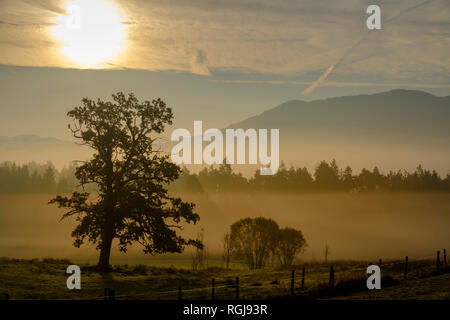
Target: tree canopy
[327,176]
[254,240]
[290,243]
[130,173]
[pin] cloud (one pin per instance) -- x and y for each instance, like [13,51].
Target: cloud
[199,63]
[289,38]
[364,37]
[344,83]
[54,6]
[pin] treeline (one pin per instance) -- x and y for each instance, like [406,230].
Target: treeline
[327,176]
[36,178]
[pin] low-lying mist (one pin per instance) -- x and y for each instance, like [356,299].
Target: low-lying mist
[354,226]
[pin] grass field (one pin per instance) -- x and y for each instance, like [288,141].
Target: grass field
[46,279]
[357,227]
[430,288]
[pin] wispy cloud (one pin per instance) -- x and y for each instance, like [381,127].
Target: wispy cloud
[364,37]
[289,38]
[343,83]
[199,63]
[55,6]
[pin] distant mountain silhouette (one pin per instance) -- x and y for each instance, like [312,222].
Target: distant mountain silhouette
[399,115]
[32,140]
[384,129]
[26,148]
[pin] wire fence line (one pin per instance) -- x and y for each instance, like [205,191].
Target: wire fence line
[314,276]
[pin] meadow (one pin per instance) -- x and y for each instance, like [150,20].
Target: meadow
[358,228]
[22,279]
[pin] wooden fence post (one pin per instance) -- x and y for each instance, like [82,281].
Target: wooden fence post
[109,294]
[438,260]
[331,282]
[445,257]
[292,281]
[237,288]
[406,267]
[180,295]
[303,277]
[213,282]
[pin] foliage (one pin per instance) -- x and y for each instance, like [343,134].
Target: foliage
[253,240]
[130,173]
[29,179]
[290,243]
[326,177]
[37,178]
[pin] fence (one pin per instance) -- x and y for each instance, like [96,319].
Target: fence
[309,279]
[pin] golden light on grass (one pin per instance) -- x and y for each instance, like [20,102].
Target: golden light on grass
[91,33]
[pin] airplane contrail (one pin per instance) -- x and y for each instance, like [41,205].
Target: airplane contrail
[322,78]
[318,81]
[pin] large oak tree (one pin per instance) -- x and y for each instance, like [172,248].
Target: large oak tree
[132,204]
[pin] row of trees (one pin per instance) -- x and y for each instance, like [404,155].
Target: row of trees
[44,178]
[258,240]
[37,178]
[327,176]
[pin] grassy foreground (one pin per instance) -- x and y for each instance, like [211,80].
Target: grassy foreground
[46,279]
[429,288]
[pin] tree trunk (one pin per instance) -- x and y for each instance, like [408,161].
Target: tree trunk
[108,233]
[105,252]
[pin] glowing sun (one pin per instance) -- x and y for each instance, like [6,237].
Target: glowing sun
[91,33]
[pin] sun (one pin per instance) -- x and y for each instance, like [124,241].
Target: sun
[91,34]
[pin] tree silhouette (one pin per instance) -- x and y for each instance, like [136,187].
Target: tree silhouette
[226,241]
[347,178]
[253,240]
[48,179]
[327,175]
[132,204]
[290,243]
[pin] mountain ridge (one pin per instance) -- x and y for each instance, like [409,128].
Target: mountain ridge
[392,94]
[31,138]
[397,129]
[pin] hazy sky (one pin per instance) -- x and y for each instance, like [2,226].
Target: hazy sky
[219,61]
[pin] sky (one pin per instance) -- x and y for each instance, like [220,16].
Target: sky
[218,61]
